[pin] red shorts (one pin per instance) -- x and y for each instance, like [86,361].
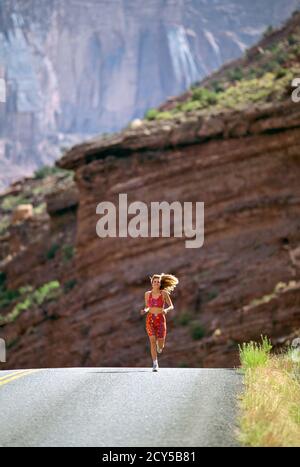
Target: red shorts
[156,325]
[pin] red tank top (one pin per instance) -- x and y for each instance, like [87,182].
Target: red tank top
[155,302]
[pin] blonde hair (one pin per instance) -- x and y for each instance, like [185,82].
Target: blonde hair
[168,282]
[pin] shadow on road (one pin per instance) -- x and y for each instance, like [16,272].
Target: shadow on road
[132,371]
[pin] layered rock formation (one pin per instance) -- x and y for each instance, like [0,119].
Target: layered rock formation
[77,68]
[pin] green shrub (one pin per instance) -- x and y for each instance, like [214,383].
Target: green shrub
[7,297]
[11,202]
[39,190]
[255,90]
[217,86]
[17,310]
[254,354]
[2,279]
[294,51]
[11,343]
[267,82]
[274,49]
[164,116]
[280,73]
[68,252]
[279,53]
[190,106]
[195,85]
[183,318]
[151,114]
[47,292]
[236,74]
[25,289]
[204,96]
[201,99]
[211,294]
[4,224]
[47,170]
[69,285]
[50,254]
[252,73]
[282,57]
[40,209]
[270,65]
[268,31]
[197,331]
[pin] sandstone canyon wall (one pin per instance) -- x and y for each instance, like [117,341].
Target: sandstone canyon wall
[77,68]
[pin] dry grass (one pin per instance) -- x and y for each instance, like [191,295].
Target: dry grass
[270,405]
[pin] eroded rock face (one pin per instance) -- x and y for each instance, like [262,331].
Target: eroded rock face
[249,183]
[62,200]
[75,69]
[22,212]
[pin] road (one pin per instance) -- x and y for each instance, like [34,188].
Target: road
[114,407]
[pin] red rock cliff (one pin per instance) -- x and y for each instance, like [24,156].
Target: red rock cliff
[245,168]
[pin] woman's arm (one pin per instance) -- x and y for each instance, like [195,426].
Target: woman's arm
[169,302]
[146,309]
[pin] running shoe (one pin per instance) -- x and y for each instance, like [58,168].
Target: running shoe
[155,366]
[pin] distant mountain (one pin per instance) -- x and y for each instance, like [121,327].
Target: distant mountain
[77,68]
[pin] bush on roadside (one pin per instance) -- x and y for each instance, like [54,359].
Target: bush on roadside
[253,354]
[269,407]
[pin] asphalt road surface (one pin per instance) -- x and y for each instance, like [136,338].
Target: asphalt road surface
[114,407]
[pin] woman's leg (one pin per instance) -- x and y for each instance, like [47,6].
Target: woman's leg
[150,329]
[161,342]
[152,340]
[162,331]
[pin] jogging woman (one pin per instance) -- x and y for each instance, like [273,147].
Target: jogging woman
[156,325]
